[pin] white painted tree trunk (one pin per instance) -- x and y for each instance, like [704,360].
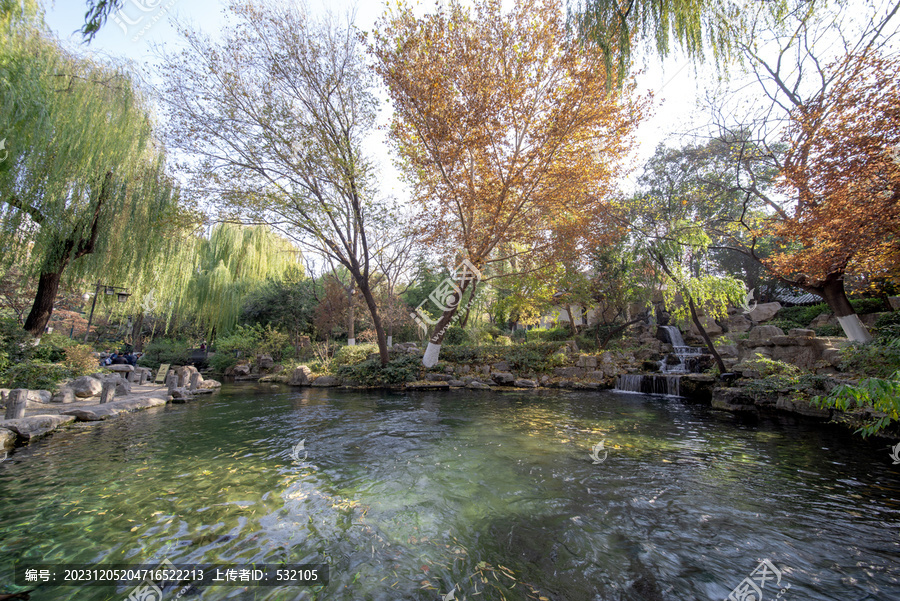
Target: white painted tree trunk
[854,328]
[351,342]
[432,352]
[390,341]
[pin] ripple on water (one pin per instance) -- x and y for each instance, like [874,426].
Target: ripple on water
[406,496]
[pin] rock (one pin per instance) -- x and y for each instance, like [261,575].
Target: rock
[801,407]
[822,319]
[241,370]
[569,372]
[456,383]
[326,381]
[64,395]
[300,376]
[709,324]
[476,385]
[123,387]
[728,351]
[86,387]
[764,312]
[448,369]
[733,399]
[801,333]
[500,366]
[738,324]
[35,426]
[545,380]
[210,385]
[265,362]
[7,438]
[181,394]
[39,396]
[587,361]
[433,377]
[523,383]
[764,333]
[124,368]
[427,385]
[102,412]
[503,378]
[599,375]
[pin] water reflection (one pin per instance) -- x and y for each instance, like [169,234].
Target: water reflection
[493,495]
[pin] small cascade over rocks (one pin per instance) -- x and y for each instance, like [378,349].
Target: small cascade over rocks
[685,357]
[649,384]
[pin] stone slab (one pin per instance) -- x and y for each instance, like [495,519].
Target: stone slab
[100,412]
[35,426]
[427,386]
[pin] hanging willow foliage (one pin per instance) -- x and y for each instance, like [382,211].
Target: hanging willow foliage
[230,264]
[83,189]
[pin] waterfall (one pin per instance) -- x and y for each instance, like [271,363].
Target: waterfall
[649,384]
[681,350]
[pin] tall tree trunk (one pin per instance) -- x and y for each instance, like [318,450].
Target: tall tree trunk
[433,350]
[42,309]
[351,315]
[376,320]
[705,335]
[832,290]
[137,341]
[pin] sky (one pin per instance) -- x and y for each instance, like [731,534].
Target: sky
[145,27]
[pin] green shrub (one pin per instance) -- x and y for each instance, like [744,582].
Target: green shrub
[557,334]
[830,330]
[766,367]
[878,359]
[52,348]
[785,324]
[80,360]
[887,328]
[529,356]
[879,395]
[801,315]
[502,340]
[165,350]
[35,375]
[403,368]
[456,335]
[864,306]
[16,345]
[351,355]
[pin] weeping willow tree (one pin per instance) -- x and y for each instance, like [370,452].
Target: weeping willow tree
[83,188]
[230,264]
[700,28]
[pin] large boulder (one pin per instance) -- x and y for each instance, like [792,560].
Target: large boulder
[86,387]
[64,395]
[500,366]
[35,426]
[476,385]
[181,395]
[300,376]
[523,383]
[122,369]
[7,439]
[123,387]
[764,312]
[265,362]
[39,396]
[101,412]
[587,361]
[326,381]
[764,333]
[503,378]
[241,370]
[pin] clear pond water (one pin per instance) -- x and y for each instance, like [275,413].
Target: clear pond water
[492,495]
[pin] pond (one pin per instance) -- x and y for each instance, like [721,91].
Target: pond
[485,495]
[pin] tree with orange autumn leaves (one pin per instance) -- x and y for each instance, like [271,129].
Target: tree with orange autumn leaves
[843,169]
[838,211]
[509,129]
